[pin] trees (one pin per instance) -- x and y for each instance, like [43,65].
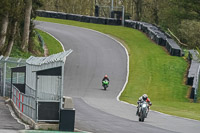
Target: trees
[15,26]
[189,32]
[4,12]
[27,20]
[15,18]
[190,9]
[138,9]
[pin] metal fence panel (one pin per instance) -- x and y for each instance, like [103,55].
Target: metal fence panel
[25,103]
[6,63]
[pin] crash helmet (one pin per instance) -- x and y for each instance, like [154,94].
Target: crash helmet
[144,96]
[106,76]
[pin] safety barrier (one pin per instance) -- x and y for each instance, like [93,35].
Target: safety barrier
[6,63]
[193,74]
[25,103]
[77,17]
[152,31]
[157,35]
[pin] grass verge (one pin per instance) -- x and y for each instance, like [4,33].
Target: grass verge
[52,44]
[151,70]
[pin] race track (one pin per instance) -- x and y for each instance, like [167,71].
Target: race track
[94,55]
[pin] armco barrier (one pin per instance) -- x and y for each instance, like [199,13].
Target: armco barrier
[25,103]
[193,74]
[157,35]
[85,19]
[76,17]
[93,19]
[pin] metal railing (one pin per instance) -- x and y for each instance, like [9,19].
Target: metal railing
[196,85]
[6,63]
[25,103]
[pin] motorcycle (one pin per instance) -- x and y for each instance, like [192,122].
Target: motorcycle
[105,84]
[143,111]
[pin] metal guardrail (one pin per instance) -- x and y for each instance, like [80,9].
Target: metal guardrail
[196,85]
[6,63]
[25,103]
[193,74]
[40,38]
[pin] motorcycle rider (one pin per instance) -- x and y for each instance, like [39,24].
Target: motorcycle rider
[144,97]
[105,78]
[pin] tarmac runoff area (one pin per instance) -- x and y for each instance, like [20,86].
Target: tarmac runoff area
[8,124]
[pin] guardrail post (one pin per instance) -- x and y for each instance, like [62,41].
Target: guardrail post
[4,77]
[122,15]
[36,100]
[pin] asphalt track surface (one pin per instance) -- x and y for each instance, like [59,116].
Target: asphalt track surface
[94,55]
[7,123]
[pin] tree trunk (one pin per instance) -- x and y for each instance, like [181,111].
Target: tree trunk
[138,9]
[91,8]
[3,31]
[11,39]
[27,20]
[155,11]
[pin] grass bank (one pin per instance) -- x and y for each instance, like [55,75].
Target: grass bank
[151,70]
[52,44]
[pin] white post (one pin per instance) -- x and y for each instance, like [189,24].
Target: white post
[17,73]
[4,77]
[62,85]
[36,99]
[112,5]
[111,8]
[122,15]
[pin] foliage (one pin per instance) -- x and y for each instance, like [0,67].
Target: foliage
[189,9]
[16,9]
[18,53]
[52,44]
[189,32]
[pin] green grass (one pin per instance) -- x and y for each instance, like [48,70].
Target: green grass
[37,50]
[52,44]
[18,53]
[151,70]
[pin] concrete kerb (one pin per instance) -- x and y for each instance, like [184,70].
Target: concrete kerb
[31,123]
[28,120]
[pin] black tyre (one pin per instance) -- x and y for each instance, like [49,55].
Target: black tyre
[142,120]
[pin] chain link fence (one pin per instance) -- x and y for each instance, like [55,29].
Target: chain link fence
[6,63]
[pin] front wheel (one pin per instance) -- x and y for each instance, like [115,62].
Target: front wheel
[104,88]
